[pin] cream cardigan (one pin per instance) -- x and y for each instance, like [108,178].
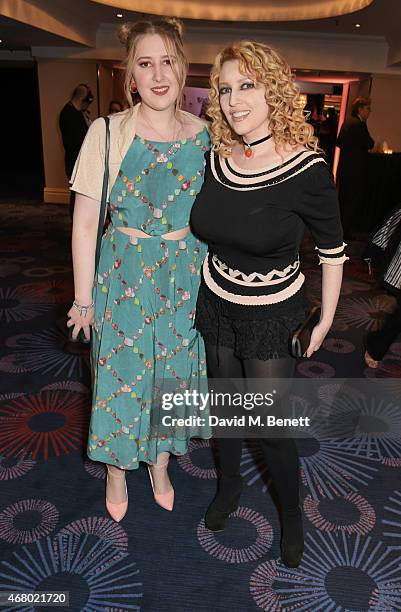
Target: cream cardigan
[87,176]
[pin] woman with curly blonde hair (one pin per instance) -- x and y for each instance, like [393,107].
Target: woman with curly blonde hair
[265,181]
[287,123]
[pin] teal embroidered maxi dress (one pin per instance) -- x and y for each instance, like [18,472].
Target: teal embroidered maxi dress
[145,295]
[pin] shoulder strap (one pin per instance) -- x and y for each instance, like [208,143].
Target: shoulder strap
[105,186]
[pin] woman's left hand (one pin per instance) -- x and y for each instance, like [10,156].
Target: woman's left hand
[319,333]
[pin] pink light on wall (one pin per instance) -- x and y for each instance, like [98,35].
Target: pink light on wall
[324,79]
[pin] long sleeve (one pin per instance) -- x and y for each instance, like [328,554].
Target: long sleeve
[354,136]
[318,207]
[73,129]
[367,138]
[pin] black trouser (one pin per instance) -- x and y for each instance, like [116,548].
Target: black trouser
[280,454]
[379,342]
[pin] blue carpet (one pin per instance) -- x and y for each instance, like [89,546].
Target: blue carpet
[55,534]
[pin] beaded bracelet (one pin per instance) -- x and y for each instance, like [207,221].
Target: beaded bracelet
[83,310]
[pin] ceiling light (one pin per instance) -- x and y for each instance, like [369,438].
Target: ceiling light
[119,15]
[357,25]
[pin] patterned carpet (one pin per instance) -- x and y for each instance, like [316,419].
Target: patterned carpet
[54,531]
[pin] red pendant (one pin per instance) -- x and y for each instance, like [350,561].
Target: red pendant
[248,152]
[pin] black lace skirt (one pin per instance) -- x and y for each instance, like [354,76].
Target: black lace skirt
[253,332]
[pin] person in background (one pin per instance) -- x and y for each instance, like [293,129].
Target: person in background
[115,106]
[385,250]
[328,134]
[203,111]
[377,343]
[354,141]
[74,123]
[314,111]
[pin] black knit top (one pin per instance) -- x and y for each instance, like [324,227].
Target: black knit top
[253,222]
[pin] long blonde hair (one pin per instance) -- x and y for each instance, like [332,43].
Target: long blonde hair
[170,31]
[286,115]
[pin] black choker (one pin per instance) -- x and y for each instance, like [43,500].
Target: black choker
[248,145]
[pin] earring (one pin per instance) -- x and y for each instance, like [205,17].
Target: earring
[134,88]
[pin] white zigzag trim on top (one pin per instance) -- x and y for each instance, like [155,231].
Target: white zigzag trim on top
[251,300]
[236,276]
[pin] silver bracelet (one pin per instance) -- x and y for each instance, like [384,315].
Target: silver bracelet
[83,310]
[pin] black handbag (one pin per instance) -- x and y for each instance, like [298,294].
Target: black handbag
[300,339]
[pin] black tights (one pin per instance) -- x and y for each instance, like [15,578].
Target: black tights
[280,454]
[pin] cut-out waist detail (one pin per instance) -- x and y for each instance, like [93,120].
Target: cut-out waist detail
[179,234]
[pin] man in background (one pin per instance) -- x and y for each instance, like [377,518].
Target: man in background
[354,141]
[115,106]
[74,122]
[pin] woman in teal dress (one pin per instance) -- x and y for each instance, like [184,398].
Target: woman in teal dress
[143,337]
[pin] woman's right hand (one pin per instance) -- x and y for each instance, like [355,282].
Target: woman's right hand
[80,321]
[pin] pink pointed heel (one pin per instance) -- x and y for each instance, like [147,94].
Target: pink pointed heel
[117,511]
[165,500]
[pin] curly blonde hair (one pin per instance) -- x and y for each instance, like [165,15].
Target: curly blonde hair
[286,110]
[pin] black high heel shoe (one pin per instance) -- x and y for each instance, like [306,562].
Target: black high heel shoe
[292,537]
[370,361]
[225,502]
